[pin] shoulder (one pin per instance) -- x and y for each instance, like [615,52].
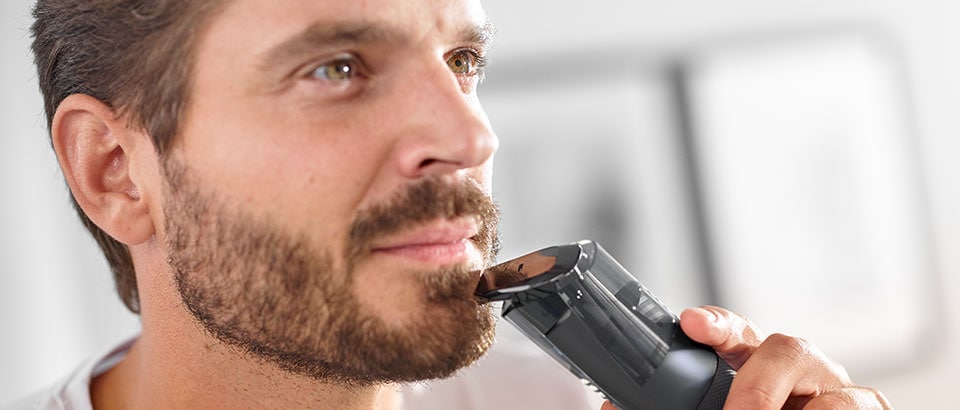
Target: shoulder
[73,391]
[52,398]
[70,393]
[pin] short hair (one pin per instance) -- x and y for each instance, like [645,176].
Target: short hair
[133,55]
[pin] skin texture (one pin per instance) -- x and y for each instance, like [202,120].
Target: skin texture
[278,298]
[307,115]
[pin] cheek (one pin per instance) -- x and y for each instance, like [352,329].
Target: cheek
[303,182]
[315,187]
[308,166]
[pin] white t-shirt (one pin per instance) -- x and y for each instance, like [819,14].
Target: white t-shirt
[73,392]
[514,375]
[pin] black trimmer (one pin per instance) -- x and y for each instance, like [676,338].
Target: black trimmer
[586,311]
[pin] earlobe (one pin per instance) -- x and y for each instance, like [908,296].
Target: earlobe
[94,147]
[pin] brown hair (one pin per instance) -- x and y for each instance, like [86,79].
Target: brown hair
[133,55]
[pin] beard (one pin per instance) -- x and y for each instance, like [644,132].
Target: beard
[280,299]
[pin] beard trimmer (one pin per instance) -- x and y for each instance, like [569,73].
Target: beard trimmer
[586,311]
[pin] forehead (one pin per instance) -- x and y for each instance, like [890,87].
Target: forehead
[260,24]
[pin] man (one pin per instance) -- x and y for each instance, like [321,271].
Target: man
[294,195]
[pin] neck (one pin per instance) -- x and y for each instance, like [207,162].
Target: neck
[176,364]
[153,377]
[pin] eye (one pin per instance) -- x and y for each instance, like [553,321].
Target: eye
[466,62]
[341,69]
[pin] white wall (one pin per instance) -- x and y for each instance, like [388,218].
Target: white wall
[56,299]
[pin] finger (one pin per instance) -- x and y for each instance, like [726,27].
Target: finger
[861,398]
[607,406]
[734,337]
[782,367]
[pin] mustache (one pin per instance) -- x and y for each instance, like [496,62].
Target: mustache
[423,201]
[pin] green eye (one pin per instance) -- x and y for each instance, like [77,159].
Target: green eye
[464,62]
[339,70]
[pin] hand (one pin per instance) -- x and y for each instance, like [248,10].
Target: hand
[777,371]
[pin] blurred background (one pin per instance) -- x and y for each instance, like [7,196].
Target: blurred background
[788,160]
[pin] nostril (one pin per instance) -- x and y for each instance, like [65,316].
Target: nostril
[427,162]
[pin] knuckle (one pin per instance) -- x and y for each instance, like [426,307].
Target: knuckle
[839,371]
[882,401]
[806,355]
[790,346]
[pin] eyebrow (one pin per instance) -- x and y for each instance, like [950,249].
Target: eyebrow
[481,35]
[321,34]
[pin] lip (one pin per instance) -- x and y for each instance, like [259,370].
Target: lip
[441,242]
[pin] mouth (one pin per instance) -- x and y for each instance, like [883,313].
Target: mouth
[439,242]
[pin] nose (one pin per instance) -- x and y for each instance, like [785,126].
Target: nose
[444,128]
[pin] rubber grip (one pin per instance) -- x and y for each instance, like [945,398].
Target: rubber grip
[716,394]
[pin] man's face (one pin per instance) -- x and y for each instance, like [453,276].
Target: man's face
[328,195]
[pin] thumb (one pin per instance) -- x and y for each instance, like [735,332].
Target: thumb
[734,337]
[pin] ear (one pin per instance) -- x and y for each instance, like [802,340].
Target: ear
[94,147]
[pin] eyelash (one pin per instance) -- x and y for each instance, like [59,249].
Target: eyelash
[480,62]
[354,68]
